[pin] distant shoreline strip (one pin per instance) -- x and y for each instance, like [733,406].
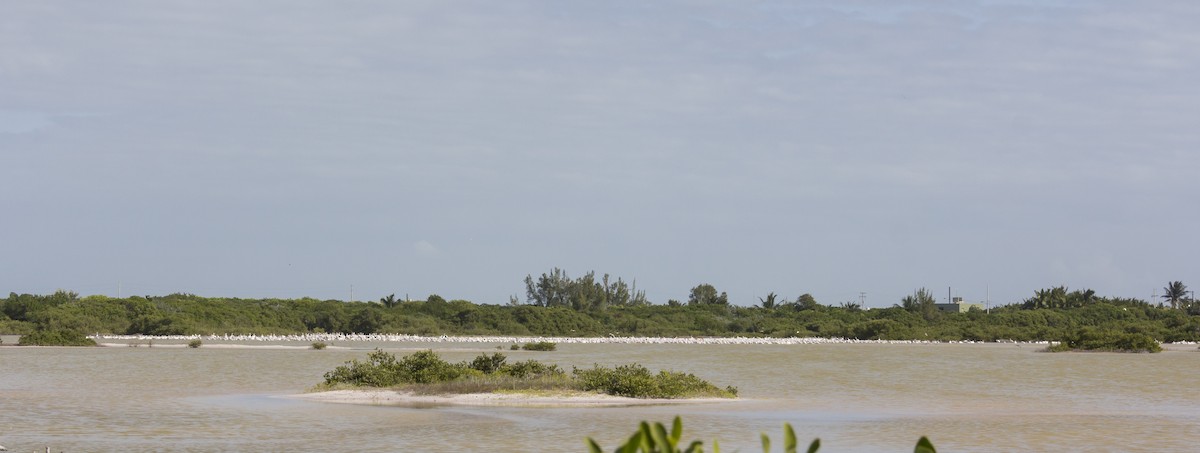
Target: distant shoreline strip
[399,338]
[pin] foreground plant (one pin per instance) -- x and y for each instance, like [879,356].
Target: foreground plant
[655,439]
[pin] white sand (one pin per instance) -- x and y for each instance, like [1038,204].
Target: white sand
[397,398]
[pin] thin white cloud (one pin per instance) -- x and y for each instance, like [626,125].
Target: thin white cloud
[425,249]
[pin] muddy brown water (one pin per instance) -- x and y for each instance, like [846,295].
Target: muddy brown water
[855,397]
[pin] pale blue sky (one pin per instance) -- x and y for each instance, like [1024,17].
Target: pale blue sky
[296,148]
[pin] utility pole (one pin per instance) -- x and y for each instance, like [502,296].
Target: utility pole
[862,299]
[351,293]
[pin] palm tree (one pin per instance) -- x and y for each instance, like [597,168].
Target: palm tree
[1175,293]
[389,301]
[769,302]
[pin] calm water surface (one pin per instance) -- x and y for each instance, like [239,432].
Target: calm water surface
[855,397]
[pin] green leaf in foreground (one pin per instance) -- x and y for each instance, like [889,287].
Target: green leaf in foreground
[653,439]
[789,438]
[924,446]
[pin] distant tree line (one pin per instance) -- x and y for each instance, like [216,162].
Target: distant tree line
[558,305]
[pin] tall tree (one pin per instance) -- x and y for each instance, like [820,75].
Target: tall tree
[806,301]
[706,294]
[389,301]
[1176,293]
[587,293]
[1047,298]
[769,302]
[550,290]
[921,302]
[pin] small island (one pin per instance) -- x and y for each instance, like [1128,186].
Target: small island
[55,337]
[424,377]
[1105,340]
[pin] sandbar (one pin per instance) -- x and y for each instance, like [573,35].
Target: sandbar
[385,397]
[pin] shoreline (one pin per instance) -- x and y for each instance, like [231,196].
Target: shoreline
[385,397]
[503,339]
[247,340]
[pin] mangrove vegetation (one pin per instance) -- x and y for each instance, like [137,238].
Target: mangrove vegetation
[590,306]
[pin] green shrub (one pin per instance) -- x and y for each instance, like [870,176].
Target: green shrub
[8,326]
[532,369]
[423,367]
[635,381]
[383,370]
[378,371]
[55,338]
[319,345]
[1094,339]
[195,344]
[540,346]
[514,347]
[488,364]
[425,372]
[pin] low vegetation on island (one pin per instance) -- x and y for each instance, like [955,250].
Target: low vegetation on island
[55,337]
[559,306]
[424,372]
[1105,340]
[539,346]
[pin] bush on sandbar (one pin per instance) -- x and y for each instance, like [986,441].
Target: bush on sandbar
[383,370]
[1093,339]
[425,372]
[636,381]
[539,346]
[55,337]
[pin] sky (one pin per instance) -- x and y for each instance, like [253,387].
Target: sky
[854,150]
